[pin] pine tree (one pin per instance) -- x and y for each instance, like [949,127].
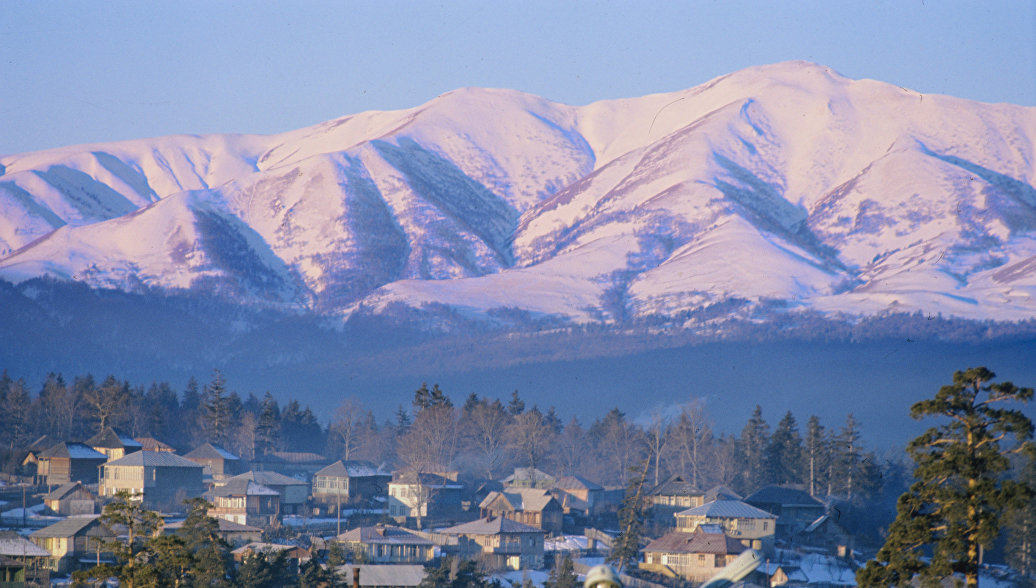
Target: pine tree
[516,406]
[626,549]
[215,410]
[961,493]
[267,432]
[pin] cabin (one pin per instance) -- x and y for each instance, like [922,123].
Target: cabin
[529,478]
[578,496]
[69,462]
[71,499]
[72,540]
[421,495]
[33,559]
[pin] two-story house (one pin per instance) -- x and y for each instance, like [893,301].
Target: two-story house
[69,462]
[385,544]
[753,527]
[294,492]
[424,495]
[695,556]
[500,543]
[531,506]
[162,480]
[218,462]
[672,496]
[245,502]
[345,482]
[114,444]
[72,540]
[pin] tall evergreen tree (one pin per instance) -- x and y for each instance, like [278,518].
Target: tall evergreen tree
[784,452]
[961,496]
[516,406]
[215,410]
[814,454]
[626,548]
[267,431]
[1021,528]
[755,437]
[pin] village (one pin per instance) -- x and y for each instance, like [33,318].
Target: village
[391,526]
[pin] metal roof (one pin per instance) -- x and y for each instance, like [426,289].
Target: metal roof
[729,509]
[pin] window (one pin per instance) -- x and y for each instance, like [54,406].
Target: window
[701,559]
[765,524]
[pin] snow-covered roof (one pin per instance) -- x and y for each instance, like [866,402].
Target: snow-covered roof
[14,545]
[383,534]
[490,526]
[733,509]
[384,575]
[210,451]
[66,528]
[576,483]
[73,450]
[351,469]
[524,499]
[266,478]
[154,459]
[109,438]
[243,487]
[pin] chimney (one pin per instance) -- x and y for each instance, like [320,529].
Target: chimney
[356,577]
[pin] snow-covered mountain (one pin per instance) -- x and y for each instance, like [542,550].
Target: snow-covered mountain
[787,185]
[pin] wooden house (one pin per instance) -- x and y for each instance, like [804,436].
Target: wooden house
[385,544]
[33,559]
[293,492]
[345,482]
[421,495]
[218,462]
[245,502]
[577,495]
[72,540]
[673,495]
[71,499]
[291,463]
[531,506]
[695,556]
[795,509]
[113,444]
[152,444]
[233,533]
[500,543]
[382,575]
[752,526]
[69,462]
[163,480]
[529,478]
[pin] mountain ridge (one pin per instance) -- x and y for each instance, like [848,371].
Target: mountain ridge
[784,182]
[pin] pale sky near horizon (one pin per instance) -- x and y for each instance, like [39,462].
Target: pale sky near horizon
[75,71]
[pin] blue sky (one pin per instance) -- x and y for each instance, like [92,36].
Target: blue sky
[76,71]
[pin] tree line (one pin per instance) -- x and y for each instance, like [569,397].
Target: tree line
[483,438]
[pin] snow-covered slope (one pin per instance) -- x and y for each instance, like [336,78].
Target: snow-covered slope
[787,185]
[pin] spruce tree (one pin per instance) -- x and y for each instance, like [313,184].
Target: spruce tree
[961,493]
[784,453]
[754,439]
[626,549]
[814,454]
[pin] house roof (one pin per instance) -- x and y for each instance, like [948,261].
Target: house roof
[109,438]
[299,457]
[528,475]
[491,526]
[425,479]
[697,542]
[73,450]
[721,493]
[154,459]
[210,451]
[14,545]
[784,496]
[676,485]
[383,534]
[731,509]
[351,469]
[384,575]
[525,499]
[267,478]
[260,547]
[243,487]
[68,527]
[152,444]
[63,491]
[576,483]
